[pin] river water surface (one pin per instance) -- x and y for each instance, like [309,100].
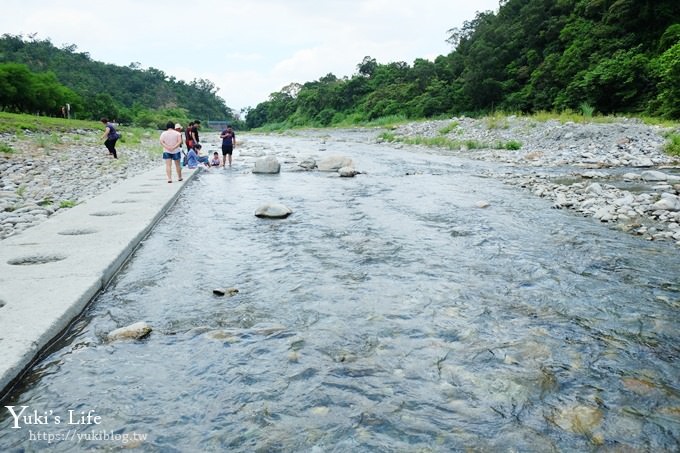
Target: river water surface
[387,313]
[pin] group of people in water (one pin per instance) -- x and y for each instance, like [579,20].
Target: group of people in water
[173,140]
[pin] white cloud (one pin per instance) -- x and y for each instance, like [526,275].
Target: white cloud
[248,49]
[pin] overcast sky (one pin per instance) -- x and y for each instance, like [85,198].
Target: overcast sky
[250,48]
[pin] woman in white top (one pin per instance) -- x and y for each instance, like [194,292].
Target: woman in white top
[171,140]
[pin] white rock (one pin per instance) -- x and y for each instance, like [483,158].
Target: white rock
[594,174]
[668,202]
[348,172]
[132,332]
[482,204]
[334,163]
[604,214]
[273,211]
[652,175]
[642,162]
[268,164]
[594,188]
[626,200]
[308,164]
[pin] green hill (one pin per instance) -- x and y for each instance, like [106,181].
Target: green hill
[595,56]
[37,77]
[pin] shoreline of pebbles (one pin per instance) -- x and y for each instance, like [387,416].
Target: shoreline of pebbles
[614,172]
[47,174]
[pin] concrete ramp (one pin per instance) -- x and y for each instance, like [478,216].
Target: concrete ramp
[49,273]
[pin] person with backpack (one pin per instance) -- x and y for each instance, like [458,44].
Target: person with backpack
[111,136]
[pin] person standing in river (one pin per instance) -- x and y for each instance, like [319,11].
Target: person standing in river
[228,137]
[111,137]
[170,141]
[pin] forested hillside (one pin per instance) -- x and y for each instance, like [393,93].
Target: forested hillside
[35,76]
[606,56]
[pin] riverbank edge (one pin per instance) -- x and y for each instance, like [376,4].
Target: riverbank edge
[51,272]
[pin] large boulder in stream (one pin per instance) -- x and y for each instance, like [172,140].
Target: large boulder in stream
[308,164]
[668,202]
[273,211]
[134,331]
[334,163]
[268,164]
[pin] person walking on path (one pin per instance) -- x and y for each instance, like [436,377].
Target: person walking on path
[228,137]
[170,141]
[111,136]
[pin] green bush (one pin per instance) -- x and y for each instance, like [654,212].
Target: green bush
[672,146]
[587,110]
[667,70]
[513,145]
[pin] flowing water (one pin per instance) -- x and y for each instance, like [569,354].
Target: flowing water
[387,313]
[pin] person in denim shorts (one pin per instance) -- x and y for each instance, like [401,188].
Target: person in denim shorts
[171,140]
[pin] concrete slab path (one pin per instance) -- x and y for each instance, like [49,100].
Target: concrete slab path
[49,273]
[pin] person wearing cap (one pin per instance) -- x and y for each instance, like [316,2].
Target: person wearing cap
[178,128]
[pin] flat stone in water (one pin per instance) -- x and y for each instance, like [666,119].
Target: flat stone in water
[134,331]
[273,211]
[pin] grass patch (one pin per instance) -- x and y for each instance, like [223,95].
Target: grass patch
[21,190]
[387,137]
[6,149]
[447,143]
[453,125]
[511,145]
[14,122]
[45,140]
[587,110]
[497,121]
[569,116]
[67,204]
[672,145]
[385,121]
[653,121]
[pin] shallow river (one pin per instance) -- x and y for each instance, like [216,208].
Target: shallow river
[387,313]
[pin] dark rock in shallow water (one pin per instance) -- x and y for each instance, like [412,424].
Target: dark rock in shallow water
[222,291]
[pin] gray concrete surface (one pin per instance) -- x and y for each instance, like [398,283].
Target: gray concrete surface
[49,273]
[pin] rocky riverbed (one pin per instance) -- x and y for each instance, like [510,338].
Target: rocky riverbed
[614,172]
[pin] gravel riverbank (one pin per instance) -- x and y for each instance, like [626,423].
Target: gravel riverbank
[614,172]
[48,173]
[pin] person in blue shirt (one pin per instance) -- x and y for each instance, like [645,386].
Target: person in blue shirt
[194,158]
